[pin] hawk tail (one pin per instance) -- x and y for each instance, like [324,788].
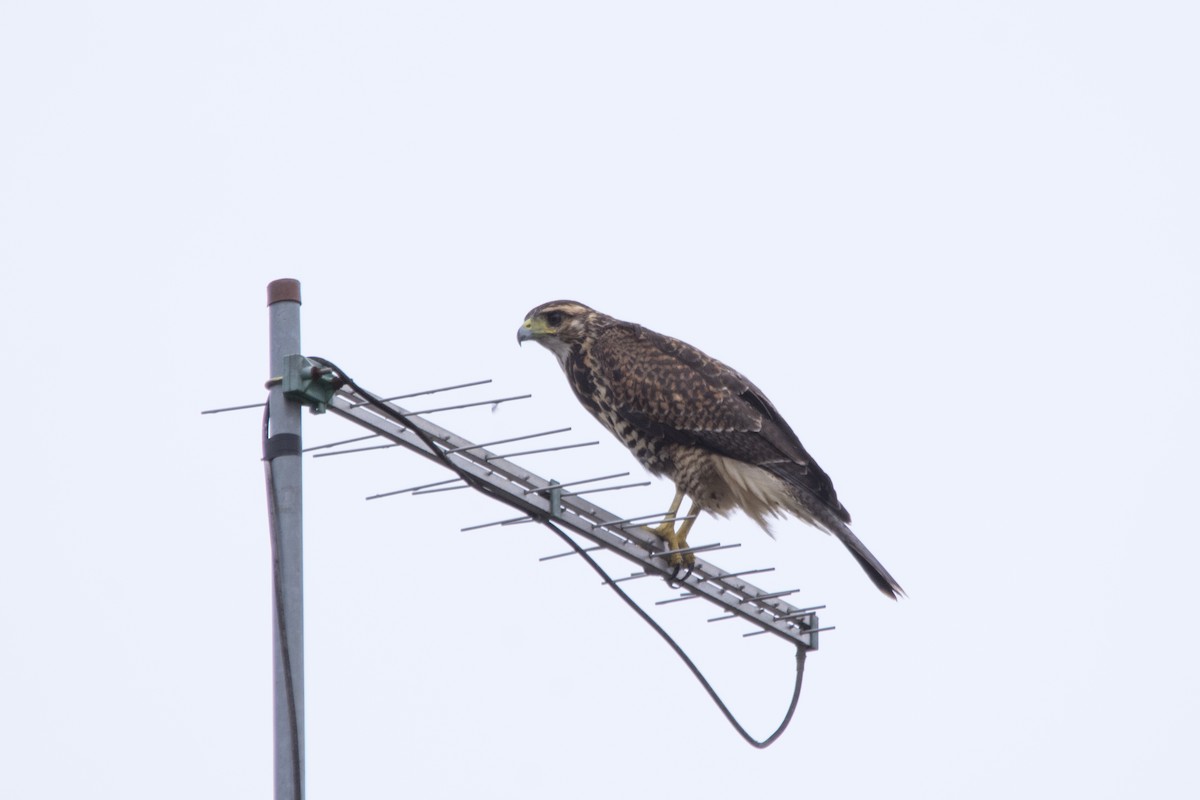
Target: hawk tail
[761,493]
[829,520]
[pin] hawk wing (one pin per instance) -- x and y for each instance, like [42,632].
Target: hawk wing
[669,389]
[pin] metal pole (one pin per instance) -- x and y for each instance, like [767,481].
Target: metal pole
[283,301]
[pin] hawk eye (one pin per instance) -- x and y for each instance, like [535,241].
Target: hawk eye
[554,318]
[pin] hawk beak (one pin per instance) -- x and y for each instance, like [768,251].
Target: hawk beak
[525,332]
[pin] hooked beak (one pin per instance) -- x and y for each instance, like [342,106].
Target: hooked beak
[525,332]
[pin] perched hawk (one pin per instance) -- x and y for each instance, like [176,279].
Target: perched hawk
[691,418]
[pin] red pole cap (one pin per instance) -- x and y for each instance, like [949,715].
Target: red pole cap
[282,290]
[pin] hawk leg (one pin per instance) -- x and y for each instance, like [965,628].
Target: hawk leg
[677,539]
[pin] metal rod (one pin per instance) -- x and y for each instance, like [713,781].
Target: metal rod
[427,391]
[232,408]
[803,631]
[574,483]
[674,519]
[354,450]
[681,598]
[497,522]
[343,441]
[414,488]
[542,450]
[504,441]
[643,518]
[632,577]
[801,612]
[283,301]
[443,489]
[715,578]
[571,553]
[606,488]
[757,597]
[703,548]
[495,402]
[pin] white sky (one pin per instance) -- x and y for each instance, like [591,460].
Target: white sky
[956,244]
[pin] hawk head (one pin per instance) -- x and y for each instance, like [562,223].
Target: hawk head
[561,326]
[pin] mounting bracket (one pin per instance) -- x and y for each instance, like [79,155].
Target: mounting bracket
[307,383]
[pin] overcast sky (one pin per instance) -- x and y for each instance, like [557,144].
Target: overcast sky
[955,243]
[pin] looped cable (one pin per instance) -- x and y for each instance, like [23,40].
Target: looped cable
[679,651]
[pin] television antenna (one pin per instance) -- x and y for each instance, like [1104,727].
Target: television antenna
[299,381]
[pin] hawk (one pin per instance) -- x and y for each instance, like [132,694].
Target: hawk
[688,417]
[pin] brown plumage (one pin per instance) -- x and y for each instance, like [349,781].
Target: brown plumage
[688,417]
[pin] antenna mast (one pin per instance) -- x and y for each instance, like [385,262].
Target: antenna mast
[281,453]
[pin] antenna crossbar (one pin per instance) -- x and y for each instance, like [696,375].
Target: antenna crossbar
[541,499]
